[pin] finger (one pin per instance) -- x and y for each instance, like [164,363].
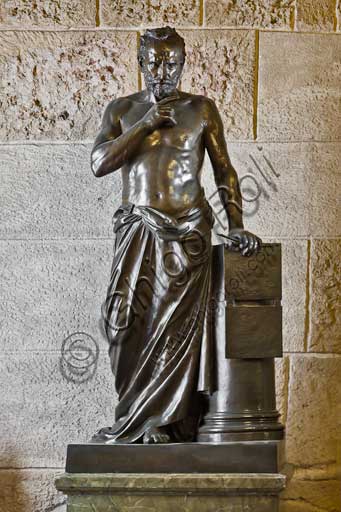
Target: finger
[162,113]
[246,252]
[251,244]
[245,241]
[249,247]
[165,116]
[166,113]
[167,100]
[165,109]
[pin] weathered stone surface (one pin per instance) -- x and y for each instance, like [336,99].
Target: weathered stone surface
[316,15]
[325,186]
[167,493]
[58,83]
[54,13]
[299,93]
[221,65]
[294,274]
[222,483]
[187,503]
[325,298]
[30,490]
[311,496]
[120,13]
[49,191]
[314,410]
[48,405]
[243,13]
[282,380]
[288,190]
[276,197]
[52,289]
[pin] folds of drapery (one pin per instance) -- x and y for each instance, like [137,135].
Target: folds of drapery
[158,320]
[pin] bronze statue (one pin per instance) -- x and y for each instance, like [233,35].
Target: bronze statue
[157,309]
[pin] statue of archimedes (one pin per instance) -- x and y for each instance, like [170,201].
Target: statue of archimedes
[158,307]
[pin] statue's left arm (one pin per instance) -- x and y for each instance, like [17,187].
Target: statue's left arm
[227,180]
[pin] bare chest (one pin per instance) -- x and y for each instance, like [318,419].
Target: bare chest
[186,135]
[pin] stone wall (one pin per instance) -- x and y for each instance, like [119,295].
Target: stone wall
[274,70]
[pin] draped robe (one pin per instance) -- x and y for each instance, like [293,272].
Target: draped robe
[158,322]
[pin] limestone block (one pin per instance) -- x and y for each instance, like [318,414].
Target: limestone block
[314,417]
[54,13]
[153,13]
[325,186]
[50,290]
[276,197]
[49,191]
[294,275]
[30,490]
[299,87]
[316,15]
[221,64]
[325,296]
[47,405]
[57,83]
[243,13]
[288,190]
[311,496]
[282,380]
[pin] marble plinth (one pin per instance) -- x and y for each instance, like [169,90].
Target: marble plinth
[146,492]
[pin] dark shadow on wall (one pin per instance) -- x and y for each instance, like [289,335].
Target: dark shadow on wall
[14,491]
[20,488]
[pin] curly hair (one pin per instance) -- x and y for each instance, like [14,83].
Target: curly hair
[159,34]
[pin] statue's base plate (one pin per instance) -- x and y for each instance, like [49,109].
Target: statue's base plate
[234,457]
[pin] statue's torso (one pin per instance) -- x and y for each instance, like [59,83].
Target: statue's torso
[165,173]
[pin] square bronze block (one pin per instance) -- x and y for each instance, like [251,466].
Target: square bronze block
[253,331]
[256,277]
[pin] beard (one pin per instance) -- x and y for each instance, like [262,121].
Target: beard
[162,89]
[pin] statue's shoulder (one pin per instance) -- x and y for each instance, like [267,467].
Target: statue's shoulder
[198,99]
[119,106]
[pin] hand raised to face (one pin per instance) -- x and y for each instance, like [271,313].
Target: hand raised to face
[160,114]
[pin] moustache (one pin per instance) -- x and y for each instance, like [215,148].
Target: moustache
[167,82]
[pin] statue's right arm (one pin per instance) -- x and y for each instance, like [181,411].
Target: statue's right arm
[112,148]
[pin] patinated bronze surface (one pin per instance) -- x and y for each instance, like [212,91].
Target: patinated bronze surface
[157,312]
[247,335]
[237,457]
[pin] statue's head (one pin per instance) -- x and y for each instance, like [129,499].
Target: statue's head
[161,56]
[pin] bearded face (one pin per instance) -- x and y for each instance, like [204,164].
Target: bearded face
[162,66]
